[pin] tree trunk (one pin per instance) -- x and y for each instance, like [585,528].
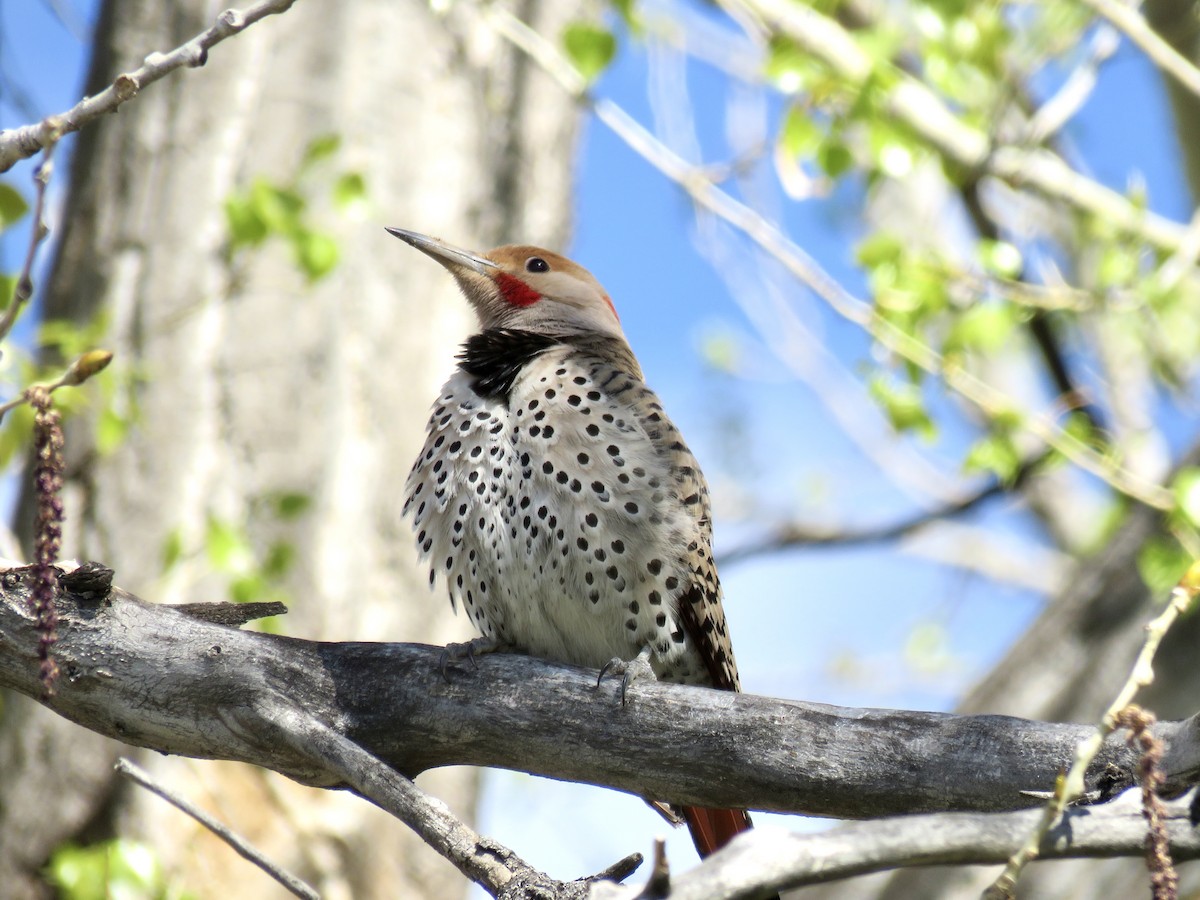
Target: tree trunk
[247,383]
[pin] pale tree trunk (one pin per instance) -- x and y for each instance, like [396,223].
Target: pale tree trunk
[250,382]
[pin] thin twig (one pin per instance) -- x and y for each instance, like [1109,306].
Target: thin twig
[798,535]
[21,143]
[234,840]
[993,402]
[1053,115]
[1131,23]
[87,365]
[24,287]
[1071,787]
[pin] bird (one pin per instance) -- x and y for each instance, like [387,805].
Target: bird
[555,498]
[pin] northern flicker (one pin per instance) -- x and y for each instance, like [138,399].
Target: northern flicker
[555,498]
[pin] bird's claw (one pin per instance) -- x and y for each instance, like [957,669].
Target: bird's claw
[468,650]
[630,670]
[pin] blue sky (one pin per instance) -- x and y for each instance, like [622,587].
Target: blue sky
[829,625]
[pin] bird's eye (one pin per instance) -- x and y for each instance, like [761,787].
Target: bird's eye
[536,264]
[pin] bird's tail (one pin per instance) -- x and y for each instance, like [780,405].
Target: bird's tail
[712,829]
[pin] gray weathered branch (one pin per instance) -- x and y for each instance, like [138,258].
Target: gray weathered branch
[777,861]
[328,714]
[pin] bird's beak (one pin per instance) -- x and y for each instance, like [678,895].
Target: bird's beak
[448,256]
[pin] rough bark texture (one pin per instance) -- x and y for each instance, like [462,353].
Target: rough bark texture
[164,678]
[358,715]
[252,382]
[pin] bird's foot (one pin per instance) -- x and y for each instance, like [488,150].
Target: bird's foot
[453,653]
[630,670]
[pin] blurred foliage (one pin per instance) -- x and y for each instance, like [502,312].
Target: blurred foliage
[283,209]
[13,206]
[117,869]
[108,398]
[1161,562]
[253,570]
[1004,262]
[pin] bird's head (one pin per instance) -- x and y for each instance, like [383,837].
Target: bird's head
[517,286]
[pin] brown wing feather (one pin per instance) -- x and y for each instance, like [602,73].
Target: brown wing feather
[700,611]
[701,624]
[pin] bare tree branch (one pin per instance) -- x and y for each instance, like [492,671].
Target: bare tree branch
[764,860]
[368,716]
[38,231]
[797,534]
[21,143]
[154,677]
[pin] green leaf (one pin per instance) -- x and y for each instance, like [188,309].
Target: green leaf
[246,227]
[1000,258]
[16,434]
[834,157]
[627,10]
[280,557]
[227,546]
[71,338]
[12,205]
[118,868]
[349,190]
[317,253]
[985,326]
[172,549]
[1162,562]
[290,504]
[800,134]
[903,405]
[248,588]
[321,147]
[590,47]
[279,208]
[995,453]
[1186,489]
[1118,266]
[788,67]
[880,248]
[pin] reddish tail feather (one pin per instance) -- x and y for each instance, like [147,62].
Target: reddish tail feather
[712,829]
